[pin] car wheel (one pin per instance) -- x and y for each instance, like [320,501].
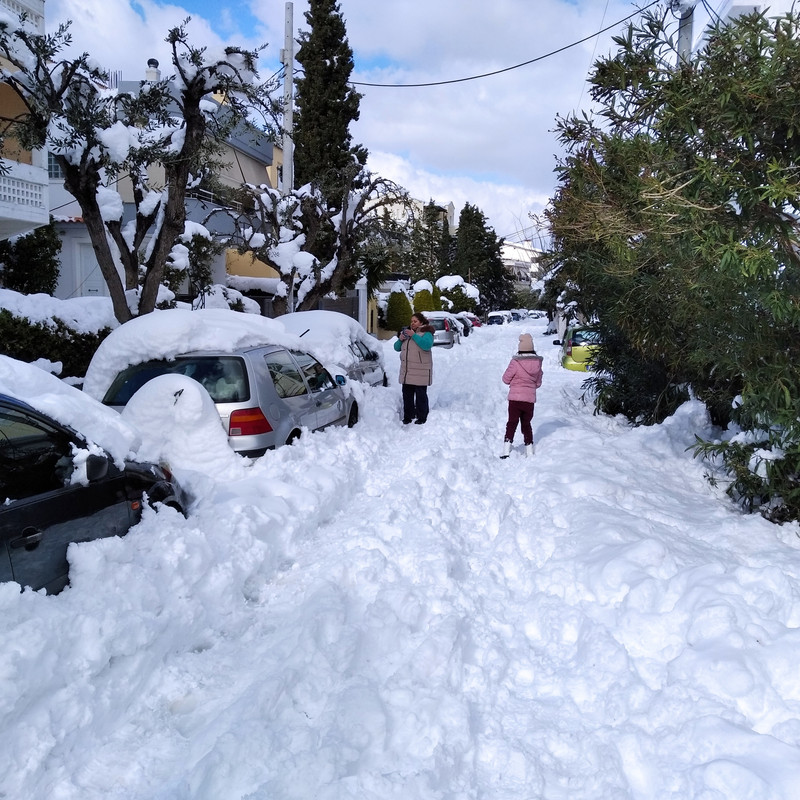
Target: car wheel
[385,379]
[177,506]
[352,419]
[293,437]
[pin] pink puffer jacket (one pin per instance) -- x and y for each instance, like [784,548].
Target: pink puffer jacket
[524,376]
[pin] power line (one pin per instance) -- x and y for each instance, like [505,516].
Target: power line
[594,50]
[506,69]
[711,12]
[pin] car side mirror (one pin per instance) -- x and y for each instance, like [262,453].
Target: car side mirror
[557,341]
[341,380]
[96,467]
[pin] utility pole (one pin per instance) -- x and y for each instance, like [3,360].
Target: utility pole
[684,28]
[287,59]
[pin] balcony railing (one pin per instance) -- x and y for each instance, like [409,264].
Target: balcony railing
[23,198]
[33,8]
[20,192]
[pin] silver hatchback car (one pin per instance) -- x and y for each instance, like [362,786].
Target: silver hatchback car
[265,394]
[446,332]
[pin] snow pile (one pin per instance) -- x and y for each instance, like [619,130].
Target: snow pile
[449,282]
[81,314]
[180,426]
[69,406]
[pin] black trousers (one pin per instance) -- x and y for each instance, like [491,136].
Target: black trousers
[415,403]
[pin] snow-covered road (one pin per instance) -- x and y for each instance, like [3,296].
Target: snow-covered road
[395,612]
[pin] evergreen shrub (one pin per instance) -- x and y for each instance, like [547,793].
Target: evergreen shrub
[30,263]
[423,301]
[30,341]
[398,311]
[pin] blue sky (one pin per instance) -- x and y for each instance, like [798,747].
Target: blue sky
[486,142]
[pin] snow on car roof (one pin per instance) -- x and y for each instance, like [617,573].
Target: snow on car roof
[169,333]
[329,333]
[69,406]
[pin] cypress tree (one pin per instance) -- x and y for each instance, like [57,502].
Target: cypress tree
[423,301]
[428,255]
[398,311]
[477,259]
[326,105]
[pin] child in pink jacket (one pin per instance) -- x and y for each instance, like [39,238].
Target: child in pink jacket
[523,376]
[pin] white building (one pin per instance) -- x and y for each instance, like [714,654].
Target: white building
[23,182]
[704,15]
[521,260]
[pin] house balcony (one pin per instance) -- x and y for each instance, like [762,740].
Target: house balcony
[23,198]
[34,9]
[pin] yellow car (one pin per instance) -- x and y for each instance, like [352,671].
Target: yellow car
[577,348]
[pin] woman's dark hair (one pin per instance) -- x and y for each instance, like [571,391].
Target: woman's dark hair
[421,317]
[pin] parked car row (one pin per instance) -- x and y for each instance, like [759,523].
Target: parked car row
[449,328]
[505,317]
[267,382]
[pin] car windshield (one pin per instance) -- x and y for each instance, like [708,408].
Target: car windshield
[438,324]
[224,378]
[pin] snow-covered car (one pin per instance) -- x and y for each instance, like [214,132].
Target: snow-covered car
[267,387]
[464,324]
[471,318]
[58,485]
[499,318]
[342,341]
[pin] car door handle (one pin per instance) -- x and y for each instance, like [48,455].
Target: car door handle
[30,538]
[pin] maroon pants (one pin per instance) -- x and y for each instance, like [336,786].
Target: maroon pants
[522,413]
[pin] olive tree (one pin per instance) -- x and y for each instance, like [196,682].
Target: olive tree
[170,127]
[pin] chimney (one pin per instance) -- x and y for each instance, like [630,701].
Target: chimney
[152,73]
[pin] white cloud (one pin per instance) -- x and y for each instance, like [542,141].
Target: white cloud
[488,142]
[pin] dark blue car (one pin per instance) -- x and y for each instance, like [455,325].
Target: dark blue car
[43,507]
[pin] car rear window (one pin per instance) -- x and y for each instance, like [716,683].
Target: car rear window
[224,378]
[584,337]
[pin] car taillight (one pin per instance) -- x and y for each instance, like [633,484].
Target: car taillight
[569,347]
[248,422]
[446,325]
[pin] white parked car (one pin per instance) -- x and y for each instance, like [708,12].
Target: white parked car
[340,341]
[499,318]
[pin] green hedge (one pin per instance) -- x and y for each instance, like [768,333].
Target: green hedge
[28,341]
